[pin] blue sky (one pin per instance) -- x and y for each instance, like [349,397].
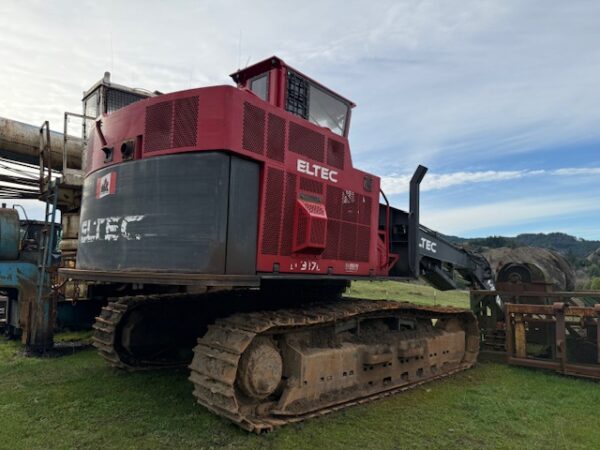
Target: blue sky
[500,99]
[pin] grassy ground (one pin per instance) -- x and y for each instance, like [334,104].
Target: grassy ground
[416,293]
[77,402]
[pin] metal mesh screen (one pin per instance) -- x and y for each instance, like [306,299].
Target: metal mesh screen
[335,153]
[272,219]
[159,126]
[185,122]
[276,138]
[116,99]
[306,142]
[348,232]
[288,215]
[172,124]
[308,185]
[253,138]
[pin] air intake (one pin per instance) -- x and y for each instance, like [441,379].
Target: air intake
[172,124]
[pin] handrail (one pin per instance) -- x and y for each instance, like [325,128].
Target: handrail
[66,136]
[45,158]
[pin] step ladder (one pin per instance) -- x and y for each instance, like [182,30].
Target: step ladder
[42,309]
[47,242]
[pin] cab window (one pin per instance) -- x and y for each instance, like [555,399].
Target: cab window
[327,111]
[260,86]
[316,104]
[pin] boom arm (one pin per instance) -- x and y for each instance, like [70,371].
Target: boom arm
[439,258]
[425,253]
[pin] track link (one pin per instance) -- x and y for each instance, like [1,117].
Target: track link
[105,330]
[218,355]
[112,318]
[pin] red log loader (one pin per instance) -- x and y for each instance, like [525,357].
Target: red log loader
[224,223]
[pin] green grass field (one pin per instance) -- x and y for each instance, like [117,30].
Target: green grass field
[413,292]
[77,402]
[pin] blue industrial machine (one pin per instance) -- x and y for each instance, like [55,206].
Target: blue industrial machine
[22,246]
[34,300]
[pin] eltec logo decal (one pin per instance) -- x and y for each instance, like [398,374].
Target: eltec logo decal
[428,245]
[316,171]
[106,185]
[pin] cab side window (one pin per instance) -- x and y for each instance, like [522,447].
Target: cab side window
[260,86]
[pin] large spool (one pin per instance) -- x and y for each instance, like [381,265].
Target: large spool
[532,265]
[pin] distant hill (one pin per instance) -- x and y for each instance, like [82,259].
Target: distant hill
[584,255]
[561,242]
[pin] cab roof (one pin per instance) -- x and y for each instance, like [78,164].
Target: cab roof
[274,62]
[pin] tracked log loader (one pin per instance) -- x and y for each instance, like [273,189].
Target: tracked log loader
[225,222]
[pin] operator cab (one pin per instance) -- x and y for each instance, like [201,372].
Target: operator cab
[275,82]
[105,97]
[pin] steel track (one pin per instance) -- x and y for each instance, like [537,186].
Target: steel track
[106,331]
[217,355]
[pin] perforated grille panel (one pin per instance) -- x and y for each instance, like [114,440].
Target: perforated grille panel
[253,138]
[317,231]
[276,138]
[116,99]
[308,185]
[334,202]
[306,142]
[333,239]
[335,153]
[185,122]
[349,206]
[272,219]
[364,210]
[362,243]
[302,228]
[159,126]
[171,124]
[349,217]
[288,215]
[348,241]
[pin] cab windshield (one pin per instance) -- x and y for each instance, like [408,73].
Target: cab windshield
[316,104]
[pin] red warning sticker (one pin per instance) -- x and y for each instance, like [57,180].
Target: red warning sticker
[106,185]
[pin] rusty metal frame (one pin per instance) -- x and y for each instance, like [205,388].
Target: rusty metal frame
[518,316]
[516,295]
[504,327]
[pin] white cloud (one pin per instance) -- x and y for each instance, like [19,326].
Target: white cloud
[464,220]
[400,184]
[578,171]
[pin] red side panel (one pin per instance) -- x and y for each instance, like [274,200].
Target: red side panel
[317,213]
